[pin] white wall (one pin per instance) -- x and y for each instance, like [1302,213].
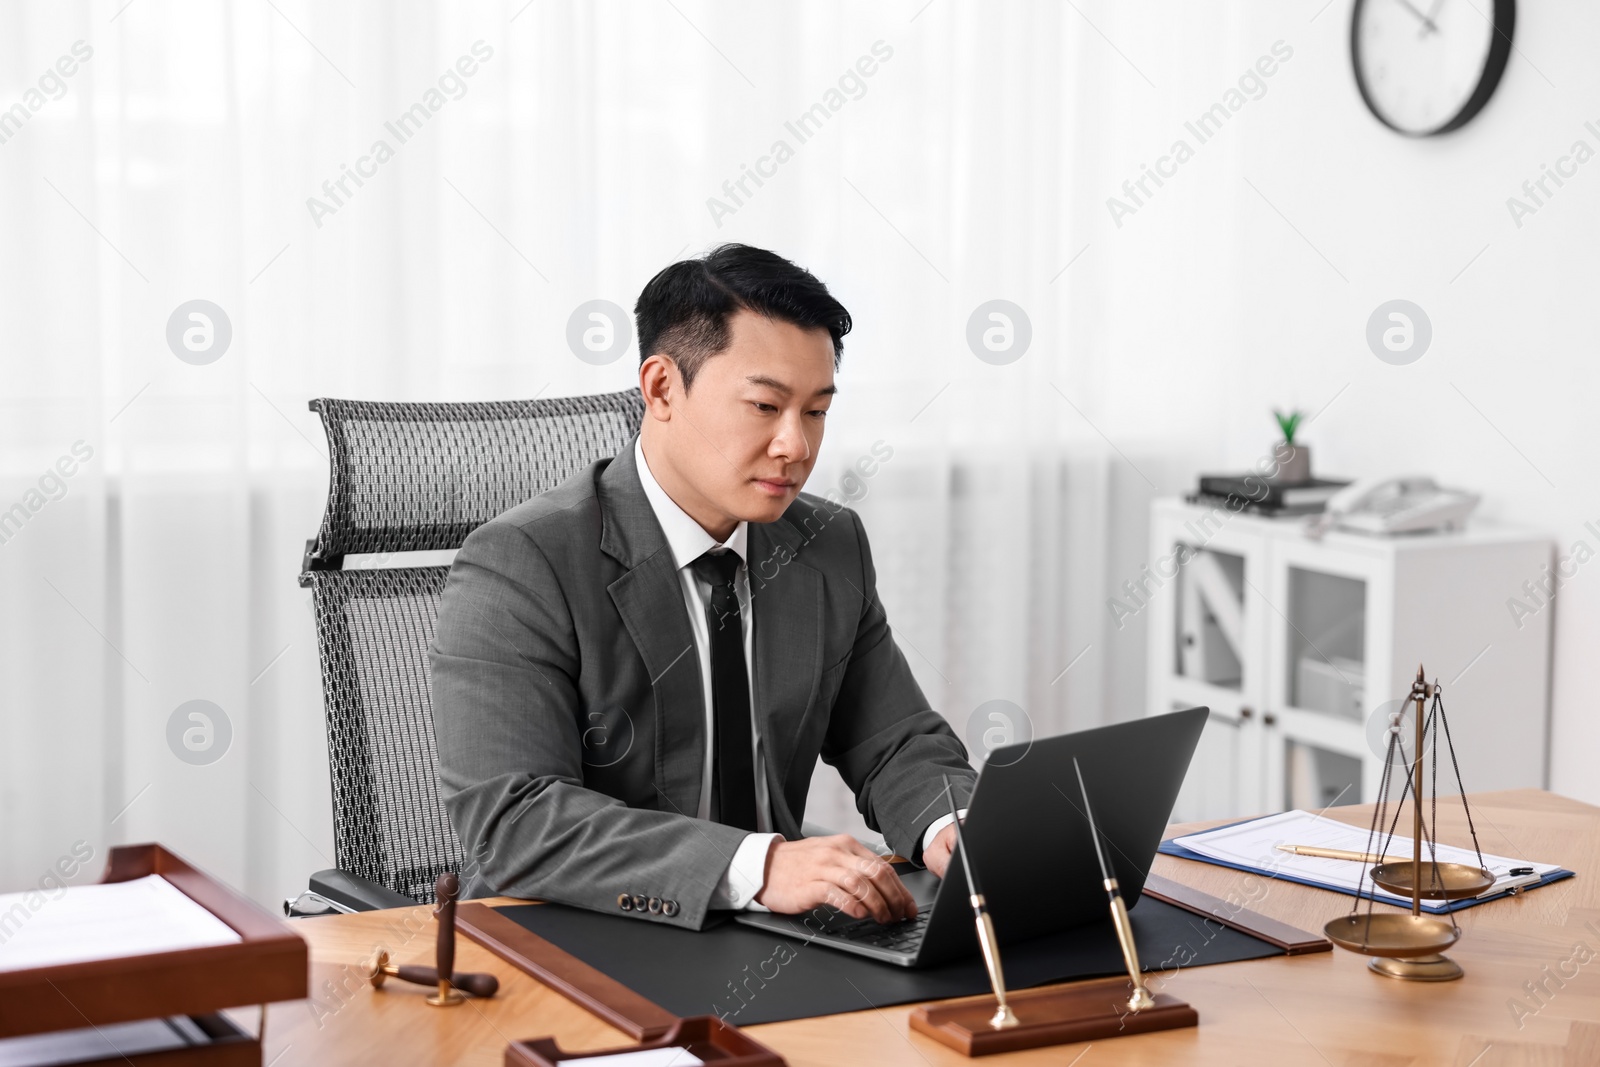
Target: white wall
[1215,309]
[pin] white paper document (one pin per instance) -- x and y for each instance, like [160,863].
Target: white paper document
[1255,844]
[648,1057]
[104,921]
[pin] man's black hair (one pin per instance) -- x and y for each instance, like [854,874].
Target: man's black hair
[683,313]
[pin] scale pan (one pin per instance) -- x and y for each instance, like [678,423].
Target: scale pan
[1442,881]
[1395,936]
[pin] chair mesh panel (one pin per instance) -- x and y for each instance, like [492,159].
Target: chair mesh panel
[410,477]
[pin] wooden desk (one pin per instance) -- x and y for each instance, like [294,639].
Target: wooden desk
[1304,1010]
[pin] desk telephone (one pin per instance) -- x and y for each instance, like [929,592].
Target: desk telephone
[1396,505]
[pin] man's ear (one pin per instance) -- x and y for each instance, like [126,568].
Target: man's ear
[661,386]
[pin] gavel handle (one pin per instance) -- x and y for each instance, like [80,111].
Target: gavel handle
[479,985]
[445,888]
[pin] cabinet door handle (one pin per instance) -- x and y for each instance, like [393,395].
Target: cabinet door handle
[1269,718]
[1246,713]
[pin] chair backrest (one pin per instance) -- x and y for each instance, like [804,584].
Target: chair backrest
[407,478]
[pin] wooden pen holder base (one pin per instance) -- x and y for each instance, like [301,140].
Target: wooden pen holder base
[1084,1011]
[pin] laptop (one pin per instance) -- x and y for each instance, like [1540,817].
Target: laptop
[1029,843]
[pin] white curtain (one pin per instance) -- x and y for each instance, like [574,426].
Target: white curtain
[198,154]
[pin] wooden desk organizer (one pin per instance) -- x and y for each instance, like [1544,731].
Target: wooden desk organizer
[706,1036]
[1060,1015]
[585,986]
[269,963]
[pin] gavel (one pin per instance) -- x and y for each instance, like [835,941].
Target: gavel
[479,985]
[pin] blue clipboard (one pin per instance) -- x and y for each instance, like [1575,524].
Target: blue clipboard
[1171,848]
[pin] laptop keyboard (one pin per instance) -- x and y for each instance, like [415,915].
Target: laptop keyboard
[903,936]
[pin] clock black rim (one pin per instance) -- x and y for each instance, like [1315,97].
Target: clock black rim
[1505,21]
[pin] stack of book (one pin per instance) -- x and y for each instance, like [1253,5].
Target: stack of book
[1253,493]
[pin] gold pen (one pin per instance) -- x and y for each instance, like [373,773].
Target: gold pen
[1141,998]
[1331,853]
[1003,1016]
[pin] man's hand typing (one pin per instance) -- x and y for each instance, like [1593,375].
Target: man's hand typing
[838,871]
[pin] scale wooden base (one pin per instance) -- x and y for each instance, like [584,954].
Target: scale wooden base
[1084,1011]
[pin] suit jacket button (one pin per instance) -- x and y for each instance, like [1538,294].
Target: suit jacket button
[654,904]
[625,902]
[669,908]
[638,903]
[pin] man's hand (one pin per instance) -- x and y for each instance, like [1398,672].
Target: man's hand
[838,871]
[936,857]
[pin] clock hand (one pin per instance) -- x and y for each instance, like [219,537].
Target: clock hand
[1426,21]
[1432,11]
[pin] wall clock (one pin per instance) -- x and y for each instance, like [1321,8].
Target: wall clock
[1427,67]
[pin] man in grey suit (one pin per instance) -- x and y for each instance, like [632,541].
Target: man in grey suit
[635,673]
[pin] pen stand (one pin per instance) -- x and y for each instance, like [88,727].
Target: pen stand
[1083,1011]
[704,1036]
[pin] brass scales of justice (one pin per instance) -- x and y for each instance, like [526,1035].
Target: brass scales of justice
[1411,947]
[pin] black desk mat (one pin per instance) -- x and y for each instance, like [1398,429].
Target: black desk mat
[750,976]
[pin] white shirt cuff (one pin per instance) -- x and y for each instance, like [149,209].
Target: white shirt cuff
[939,824]
[746,875]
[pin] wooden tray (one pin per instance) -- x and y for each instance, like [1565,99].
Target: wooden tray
[706,1036]
[268,964]
[225,1045]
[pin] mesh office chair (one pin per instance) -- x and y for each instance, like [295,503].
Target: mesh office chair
[414,478]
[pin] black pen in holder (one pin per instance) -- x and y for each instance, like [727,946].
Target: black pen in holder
[1003,1017]
[1141,998]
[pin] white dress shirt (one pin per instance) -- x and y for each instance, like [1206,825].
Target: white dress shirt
[687,540]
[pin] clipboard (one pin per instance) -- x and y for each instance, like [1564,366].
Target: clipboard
[1170,847]
[268,963]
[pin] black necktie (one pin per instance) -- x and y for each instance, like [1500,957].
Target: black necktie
[733,779]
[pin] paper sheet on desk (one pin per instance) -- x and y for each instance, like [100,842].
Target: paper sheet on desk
[647,1057]
[1254,844]
[103,921]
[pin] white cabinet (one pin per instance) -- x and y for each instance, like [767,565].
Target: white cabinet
[1302,647]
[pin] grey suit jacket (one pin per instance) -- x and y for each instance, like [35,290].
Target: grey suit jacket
[569,713]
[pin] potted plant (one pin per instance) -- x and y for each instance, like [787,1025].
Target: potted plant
[1293,461]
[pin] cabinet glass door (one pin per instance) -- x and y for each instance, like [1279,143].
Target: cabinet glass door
[1318,657]
[1315,778]
[1209,640]
[1206,643]
[1325,660]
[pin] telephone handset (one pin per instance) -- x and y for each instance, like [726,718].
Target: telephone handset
[1396,505]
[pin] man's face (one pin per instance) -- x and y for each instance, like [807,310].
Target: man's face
[741,443]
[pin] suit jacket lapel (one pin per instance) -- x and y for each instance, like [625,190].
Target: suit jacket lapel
[650,601]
